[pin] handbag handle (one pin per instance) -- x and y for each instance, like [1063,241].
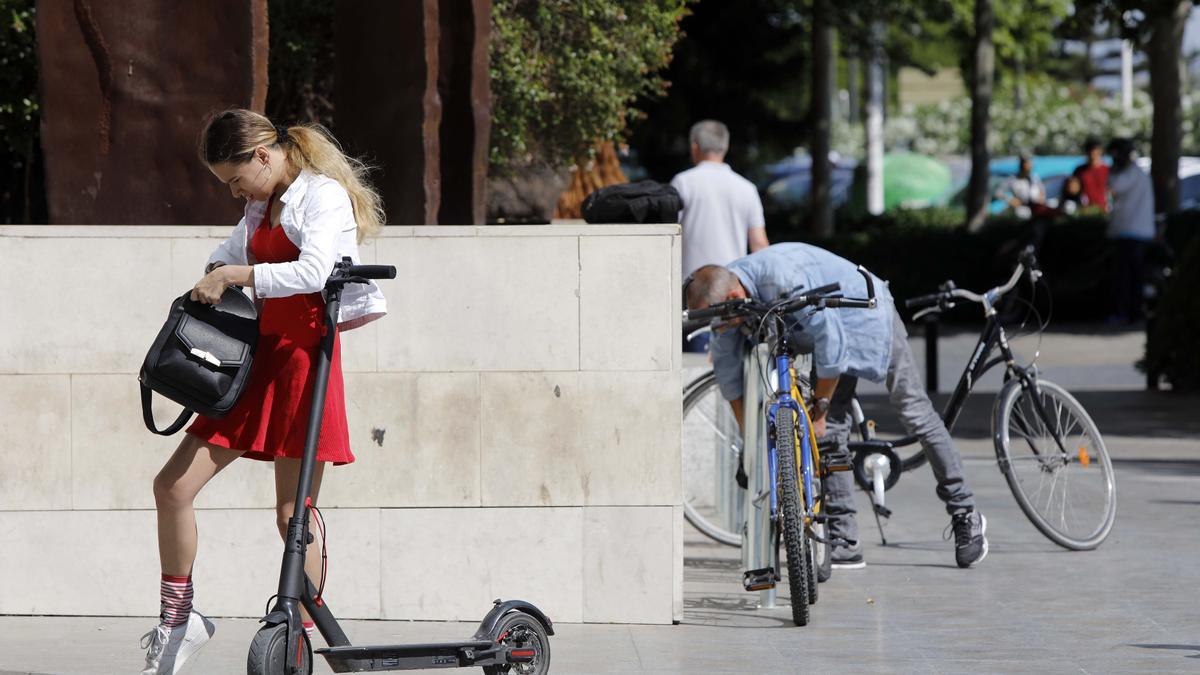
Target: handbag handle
[148,416]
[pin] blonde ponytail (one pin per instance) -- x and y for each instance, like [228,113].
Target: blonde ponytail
[314,148]
[231,136]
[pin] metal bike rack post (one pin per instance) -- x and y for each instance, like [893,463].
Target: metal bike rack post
[931,353]
[729,504]
[756,541]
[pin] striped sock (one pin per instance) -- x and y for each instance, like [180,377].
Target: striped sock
[310,629]
[176,601]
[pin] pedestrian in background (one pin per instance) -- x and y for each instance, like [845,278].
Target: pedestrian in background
[1131,229]
[1093,175]
[722,214]
[1024,190]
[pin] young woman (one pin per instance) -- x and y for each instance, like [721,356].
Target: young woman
[307,206]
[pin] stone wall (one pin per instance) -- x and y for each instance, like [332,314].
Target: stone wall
[515,419]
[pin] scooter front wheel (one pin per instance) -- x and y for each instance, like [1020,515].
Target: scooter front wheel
[268,653]
[521,632]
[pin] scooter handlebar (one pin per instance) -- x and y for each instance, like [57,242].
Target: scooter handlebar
[372,271]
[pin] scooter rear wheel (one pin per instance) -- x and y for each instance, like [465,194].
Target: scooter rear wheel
[268,652]
[520,630]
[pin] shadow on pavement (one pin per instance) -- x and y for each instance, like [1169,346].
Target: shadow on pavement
[1162,467]
[1194,648]
[1149,414]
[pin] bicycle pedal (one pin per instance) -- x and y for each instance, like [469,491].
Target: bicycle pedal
[760,580]
[883,511]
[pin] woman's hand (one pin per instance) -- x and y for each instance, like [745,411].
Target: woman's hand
[211,286]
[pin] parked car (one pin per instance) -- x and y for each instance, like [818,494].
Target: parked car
[1189,180]
[1054,170]
[787,183]
[910,180]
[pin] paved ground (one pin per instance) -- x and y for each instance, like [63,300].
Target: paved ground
[1130,606]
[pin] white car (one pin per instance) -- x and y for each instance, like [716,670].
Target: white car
[1189,180]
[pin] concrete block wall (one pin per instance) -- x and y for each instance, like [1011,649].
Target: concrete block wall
[515,419]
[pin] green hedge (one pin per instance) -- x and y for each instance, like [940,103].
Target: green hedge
[916,250]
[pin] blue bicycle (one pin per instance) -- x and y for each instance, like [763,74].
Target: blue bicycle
[794,465]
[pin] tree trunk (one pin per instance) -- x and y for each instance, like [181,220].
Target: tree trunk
[820,113]
[1019,84]
[1164,51]
[983,72]
[873,126]
[853,103]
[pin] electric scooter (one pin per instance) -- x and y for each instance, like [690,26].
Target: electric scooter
[512,638]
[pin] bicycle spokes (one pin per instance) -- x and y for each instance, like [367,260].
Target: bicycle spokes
[1055,461]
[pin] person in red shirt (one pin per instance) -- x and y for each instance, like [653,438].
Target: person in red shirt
[1094,175]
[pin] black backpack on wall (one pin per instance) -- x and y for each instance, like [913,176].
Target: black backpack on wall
[643,202]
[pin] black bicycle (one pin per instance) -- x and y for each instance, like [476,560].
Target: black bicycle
[1047,446]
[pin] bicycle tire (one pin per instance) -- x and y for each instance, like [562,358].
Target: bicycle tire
[694,392]
[799,560]
[820,554]
[1082,453]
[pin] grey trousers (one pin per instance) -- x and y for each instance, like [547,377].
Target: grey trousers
[912,404]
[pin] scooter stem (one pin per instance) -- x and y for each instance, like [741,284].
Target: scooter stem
[292,579]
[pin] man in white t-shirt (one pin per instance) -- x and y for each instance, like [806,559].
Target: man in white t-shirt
[722,215]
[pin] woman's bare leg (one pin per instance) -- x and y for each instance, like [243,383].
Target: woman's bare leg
[287,475]
[175,488]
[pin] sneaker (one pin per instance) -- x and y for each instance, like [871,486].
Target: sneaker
[168,648]
[970,540]
[846,556]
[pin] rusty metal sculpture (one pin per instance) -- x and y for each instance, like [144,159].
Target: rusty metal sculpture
[126,85]
[124,88]
[411,97]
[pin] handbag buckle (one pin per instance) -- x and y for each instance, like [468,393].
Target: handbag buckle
[206,356]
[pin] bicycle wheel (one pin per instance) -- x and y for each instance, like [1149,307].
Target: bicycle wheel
[1055,463]
[821,566]
[799,557]
[711,445]
[822,555]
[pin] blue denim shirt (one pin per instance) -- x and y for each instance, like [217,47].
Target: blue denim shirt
[846,341]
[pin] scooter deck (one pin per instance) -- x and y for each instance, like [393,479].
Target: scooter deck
[357,659]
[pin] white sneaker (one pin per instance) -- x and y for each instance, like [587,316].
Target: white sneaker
[167,649]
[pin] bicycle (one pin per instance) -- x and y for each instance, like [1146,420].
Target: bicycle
[1047,447]
[793,466]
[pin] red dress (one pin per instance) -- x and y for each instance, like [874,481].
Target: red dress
[271,418]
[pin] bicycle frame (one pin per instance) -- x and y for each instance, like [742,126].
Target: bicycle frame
[981,361]
[785,401]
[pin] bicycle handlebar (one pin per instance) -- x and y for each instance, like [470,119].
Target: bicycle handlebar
[923,301]
[721,309]
[1026,263]
[818,297]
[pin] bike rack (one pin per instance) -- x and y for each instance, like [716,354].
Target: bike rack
[756,542]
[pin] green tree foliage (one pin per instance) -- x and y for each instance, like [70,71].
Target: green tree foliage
[566,74]
[20,194]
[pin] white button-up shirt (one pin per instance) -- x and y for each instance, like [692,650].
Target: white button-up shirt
[318,218]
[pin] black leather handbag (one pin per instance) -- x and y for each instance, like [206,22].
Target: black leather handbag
[201,357]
